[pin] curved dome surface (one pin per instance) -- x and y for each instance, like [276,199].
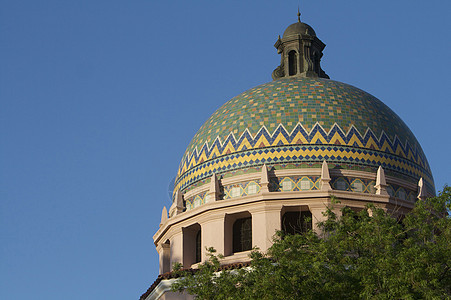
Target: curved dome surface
[295,121]
[298,28]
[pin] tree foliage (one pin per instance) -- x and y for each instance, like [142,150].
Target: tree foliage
[358,255]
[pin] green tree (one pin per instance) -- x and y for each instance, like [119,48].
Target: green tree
[357,256]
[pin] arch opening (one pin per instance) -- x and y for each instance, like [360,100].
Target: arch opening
[292,63]
[192,245]
[296,220]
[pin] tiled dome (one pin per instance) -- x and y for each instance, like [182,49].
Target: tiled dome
[293,122]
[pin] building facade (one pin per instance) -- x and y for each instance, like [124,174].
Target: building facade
[273,156]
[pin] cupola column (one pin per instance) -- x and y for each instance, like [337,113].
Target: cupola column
[308,63]
[287,63]
[300,58]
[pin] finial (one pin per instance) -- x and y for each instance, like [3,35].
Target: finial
[264,180]
[164,216]
[299,15]
[179,202]
[381,183]
[325,177]
[421,190]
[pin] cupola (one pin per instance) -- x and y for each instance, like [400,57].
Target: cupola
[301,52]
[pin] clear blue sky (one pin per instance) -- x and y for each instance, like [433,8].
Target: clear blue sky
[100,98]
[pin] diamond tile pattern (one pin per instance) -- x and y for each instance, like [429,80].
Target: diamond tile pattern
[302,119]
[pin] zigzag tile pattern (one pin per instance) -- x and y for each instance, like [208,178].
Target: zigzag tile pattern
[302,153]
[298,115]
[317,136]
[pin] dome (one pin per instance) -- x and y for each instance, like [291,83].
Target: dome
[298,28]
[297,122]
[274,157]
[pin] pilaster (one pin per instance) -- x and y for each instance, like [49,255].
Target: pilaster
[213,235]
[265,223]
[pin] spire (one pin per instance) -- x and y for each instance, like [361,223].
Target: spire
[299,15]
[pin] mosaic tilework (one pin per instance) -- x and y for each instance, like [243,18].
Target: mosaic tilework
[301,100]
[306,100]
[303,153]
[242,172]
[301,183]
[402,193]
[241,189]
[317,136]
[302,111]
[295,183]
[195,185]
[358,185]
[196,201]
[369,184]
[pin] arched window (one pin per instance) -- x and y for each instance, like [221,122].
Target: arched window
[242,235]
[296,222]
[192,245]
[292,63]
[198,246]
